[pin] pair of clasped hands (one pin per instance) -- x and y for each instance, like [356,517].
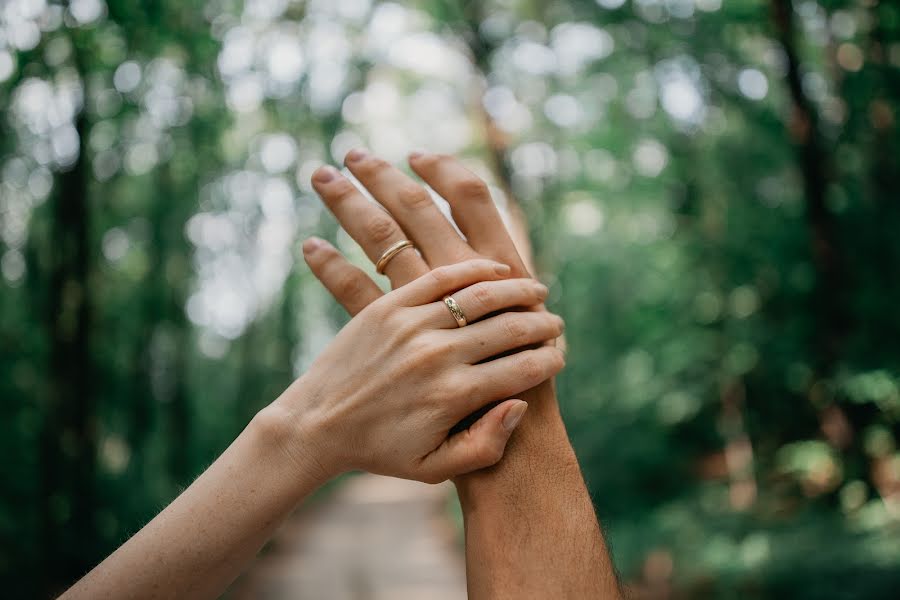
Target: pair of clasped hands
[463,329]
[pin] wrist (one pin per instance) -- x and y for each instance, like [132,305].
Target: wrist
[539,440]
[293,439]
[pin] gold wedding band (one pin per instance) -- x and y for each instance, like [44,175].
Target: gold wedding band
[456,311]
[390,253]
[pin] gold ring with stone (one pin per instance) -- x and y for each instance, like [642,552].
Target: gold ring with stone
[456,311]
[390,253]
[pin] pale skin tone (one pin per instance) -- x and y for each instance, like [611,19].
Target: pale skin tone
[382,397]
[531,531]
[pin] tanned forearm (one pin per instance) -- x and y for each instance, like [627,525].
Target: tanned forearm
[531,530]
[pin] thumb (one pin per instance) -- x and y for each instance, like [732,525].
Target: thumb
[480,446]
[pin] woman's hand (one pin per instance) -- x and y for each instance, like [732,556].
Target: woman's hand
[384,395]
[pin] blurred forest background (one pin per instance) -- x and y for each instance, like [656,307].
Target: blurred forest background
[712,188]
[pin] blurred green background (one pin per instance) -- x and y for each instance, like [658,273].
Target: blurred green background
[713,189]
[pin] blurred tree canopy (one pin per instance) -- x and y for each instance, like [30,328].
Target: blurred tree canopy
[712,189]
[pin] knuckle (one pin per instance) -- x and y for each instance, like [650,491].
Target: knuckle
[482,296]
[458,386]
[381,310]
[413,196]
[529,367]
[431,352]
[472,389]
[381,228]
[424,342]
[488,453]
[405,329]
[472,188]
[348,286]
[408,365]
[342,190]
[446,348]
[515,328]
[440,275]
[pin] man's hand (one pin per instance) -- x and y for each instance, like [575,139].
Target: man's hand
[530,526]
[412,214]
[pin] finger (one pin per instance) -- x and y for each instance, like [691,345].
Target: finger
[367,223]
[480,446]
[505,332]
[487,297]
[441,281]
[348,284]
[511,375]
[471,205]
[412,206]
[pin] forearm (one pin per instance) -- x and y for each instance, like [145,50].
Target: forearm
[531,531]
[199,544]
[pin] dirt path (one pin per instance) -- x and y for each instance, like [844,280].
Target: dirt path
[375,538]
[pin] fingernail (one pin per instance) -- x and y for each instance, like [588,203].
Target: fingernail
[325,174]
[356,155]
[312,244]
[514,415]
[541,289]
[501,269]
[416,154]
[560,321]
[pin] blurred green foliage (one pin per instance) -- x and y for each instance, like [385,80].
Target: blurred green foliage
[712,192]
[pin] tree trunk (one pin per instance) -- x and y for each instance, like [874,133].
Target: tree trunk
[828,302]
[68,437]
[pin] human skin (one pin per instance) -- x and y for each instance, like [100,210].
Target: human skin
[382,397]
[531,530]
